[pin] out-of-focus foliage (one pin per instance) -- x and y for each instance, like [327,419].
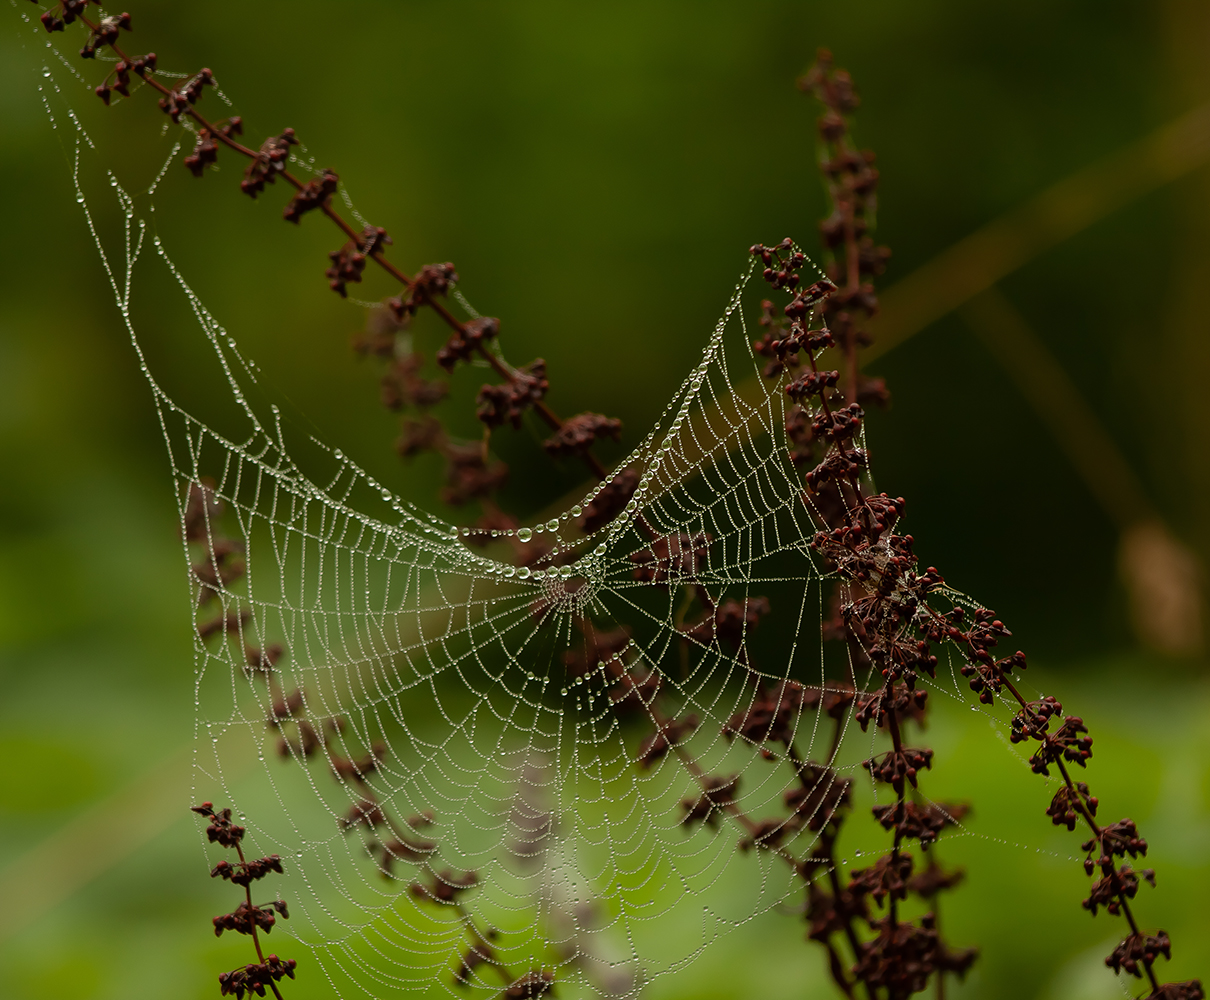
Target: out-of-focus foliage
[597,172]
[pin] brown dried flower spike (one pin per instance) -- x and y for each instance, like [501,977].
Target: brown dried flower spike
[247,918]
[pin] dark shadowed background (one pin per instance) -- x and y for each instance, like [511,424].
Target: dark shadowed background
[597,172]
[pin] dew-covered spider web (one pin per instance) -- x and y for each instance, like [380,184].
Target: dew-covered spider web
[475,770]
[489,713]
[449,720]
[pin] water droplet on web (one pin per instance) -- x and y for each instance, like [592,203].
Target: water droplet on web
[552,524]
[524,534]
[523,573]
[577,510]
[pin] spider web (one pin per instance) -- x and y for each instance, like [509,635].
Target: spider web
[389,620]
[459,666]
[397,709]
[455,670]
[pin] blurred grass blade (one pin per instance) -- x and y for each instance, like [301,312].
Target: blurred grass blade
[980,260]
[1059,403]
[1162,577]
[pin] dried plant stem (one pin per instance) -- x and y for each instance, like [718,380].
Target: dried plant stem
[239,850]
[377,255]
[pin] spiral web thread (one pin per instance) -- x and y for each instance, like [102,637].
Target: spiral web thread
[468,683]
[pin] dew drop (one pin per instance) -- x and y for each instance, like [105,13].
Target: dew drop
[524,534]
[552,524]
[577,510]
[523,573]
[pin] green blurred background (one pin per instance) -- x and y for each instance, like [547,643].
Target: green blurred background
[597,171]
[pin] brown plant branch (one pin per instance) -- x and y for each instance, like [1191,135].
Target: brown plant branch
[376,254]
